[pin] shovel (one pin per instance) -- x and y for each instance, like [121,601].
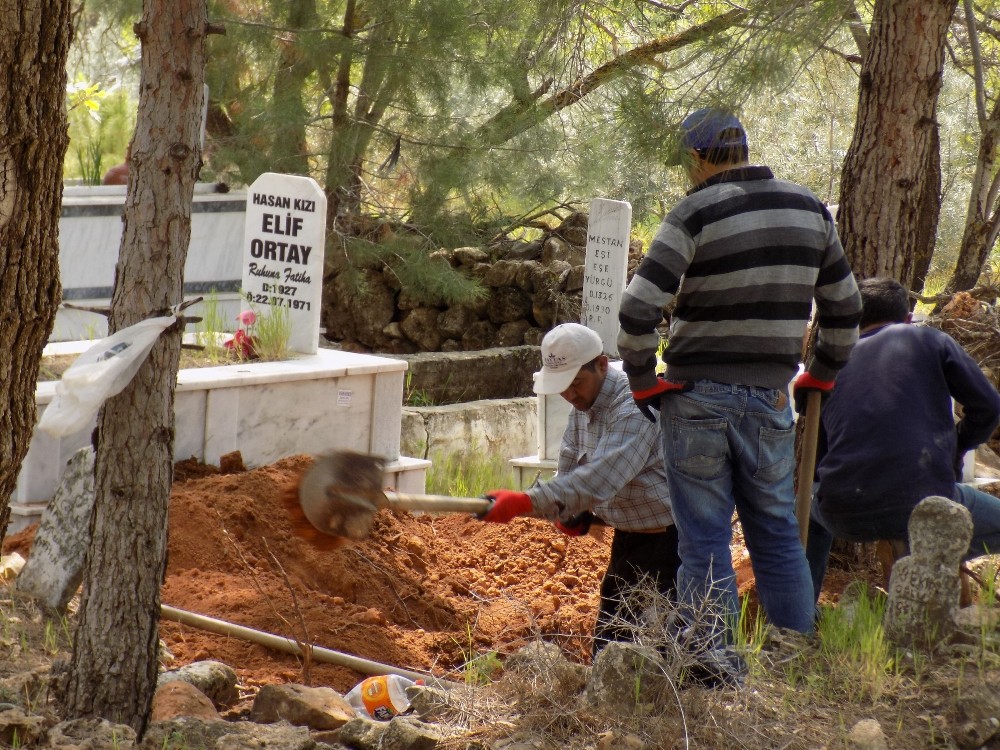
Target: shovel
[341,492]
[807,464]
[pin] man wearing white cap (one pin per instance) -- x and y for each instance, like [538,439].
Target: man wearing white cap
[610,469]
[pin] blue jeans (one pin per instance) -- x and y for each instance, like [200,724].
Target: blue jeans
[984,509]
[732,447]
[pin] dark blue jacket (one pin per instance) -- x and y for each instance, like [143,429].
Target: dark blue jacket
[888,437]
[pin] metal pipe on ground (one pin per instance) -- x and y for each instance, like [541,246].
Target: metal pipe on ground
[290,646]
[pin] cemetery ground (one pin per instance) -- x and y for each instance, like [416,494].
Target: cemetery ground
[456,596]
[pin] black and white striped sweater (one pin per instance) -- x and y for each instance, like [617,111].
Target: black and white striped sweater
[746,254]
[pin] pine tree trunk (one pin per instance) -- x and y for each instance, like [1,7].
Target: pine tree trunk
[979,234]
[884,201]
[34,44]
[114,665]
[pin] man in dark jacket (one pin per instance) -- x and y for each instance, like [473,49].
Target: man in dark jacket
[888,434]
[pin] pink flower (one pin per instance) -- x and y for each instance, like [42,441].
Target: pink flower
[247,318]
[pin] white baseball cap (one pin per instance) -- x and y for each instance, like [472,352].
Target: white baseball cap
[565,349]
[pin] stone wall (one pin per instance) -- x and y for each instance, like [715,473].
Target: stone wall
[530,287]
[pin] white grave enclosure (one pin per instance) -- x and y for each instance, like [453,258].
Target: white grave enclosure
[608,233]
[283,253]
[312,404]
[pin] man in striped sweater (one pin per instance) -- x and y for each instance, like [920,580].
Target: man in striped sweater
[746,255]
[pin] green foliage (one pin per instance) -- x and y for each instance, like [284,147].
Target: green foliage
[858,658]
[427,278]
[468,474]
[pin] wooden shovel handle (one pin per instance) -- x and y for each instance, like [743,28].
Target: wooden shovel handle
[437,503]
[807,464]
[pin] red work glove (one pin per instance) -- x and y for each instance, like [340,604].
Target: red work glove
[578,525]
[802,386]
[506,505]
[649,398]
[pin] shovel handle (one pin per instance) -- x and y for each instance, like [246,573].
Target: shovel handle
[437,503]
[807,464]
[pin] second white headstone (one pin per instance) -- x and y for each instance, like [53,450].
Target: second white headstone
[606,266]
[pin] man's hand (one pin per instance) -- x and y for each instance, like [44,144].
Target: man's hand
[578,525]
[649,398]
[805,383]
[507,504]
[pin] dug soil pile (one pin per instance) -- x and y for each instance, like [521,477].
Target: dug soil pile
[424,593]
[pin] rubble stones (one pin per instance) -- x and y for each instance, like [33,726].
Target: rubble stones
[537,284]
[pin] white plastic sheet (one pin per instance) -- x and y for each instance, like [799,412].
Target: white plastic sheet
[98,374]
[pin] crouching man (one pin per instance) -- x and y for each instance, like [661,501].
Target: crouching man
[610,471]
[888,436]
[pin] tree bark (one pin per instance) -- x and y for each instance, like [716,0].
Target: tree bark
[34,44]
[982,217]
[114,665]
[885,202]
[291,154]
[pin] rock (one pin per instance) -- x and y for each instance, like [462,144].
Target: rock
[574,235]
[18,728]
[617,740]
[556,248]
[406,733]
[574,279]
[576,219]
[627,679]
[512,334]
[393,330]
[532,276]
[316,708]
[502,273]
[533,336]
[54,569]
[232,463]
[427,702]
[451,345]
[469,256]
[90,734]
[545,667]
[455,321]
[363,734]
[524,250]
[213,678]
[480,335]
[867,734]
[193,734]
[924,589]
[508,304]
[420,327]
[179,699]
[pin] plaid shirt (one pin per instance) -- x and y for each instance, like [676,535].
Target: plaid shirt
[610,463]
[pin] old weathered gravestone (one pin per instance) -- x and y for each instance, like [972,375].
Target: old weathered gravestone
[924,589]
[54,569]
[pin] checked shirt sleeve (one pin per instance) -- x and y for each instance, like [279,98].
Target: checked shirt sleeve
[624,442]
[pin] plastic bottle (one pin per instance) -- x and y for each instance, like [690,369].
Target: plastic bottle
[381,697]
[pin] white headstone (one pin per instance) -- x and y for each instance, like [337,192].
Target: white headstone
[606,265]
[283,244]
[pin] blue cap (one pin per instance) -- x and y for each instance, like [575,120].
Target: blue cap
[703,128]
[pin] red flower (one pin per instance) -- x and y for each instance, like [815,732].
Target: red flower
[243,345]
